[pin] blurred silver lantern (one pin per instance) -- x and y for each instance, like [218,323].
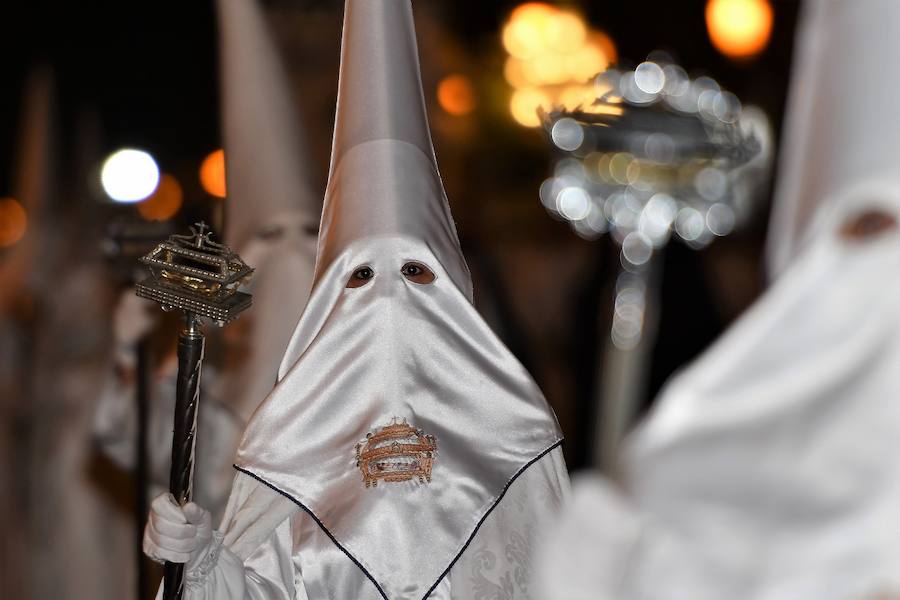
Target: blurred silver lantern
[650,155]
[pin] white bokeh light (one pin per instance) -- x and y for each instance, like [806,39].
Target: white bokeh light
[567,134]
[573,203]
[636,248]
[720,219]
[129,175]
[690,224]
[711,183]
[649,77]
[657,217]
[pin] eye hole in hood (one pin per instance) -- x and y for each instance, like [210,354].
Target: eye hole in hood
[417,273]
[361,276]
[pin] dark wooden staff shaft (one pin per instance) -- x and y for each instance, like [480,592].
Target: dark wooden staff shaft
[187,398]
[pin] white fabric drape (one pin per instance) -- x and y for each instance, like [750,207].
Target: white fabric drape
[264,533]
[768,469]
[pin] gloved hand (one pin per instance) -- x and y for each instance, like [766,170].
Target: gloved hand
[175,533]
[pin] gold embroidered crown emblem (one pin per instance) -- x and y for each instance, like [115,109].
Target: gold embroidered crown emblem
[396,452]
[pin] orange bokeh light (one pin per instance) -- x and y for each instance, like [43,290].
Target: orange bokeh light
[550,49]
[13,222]
[212,174]
[164,202]
[606,45]
[739,28]
[456,95]
[524,105]
[536,11]
[524,33]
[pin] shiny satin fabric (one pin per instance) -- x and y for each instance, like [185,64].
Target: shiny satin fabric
[384,177]
[397,349]
[768,470]
[274,551]
[415,208]
[392,350]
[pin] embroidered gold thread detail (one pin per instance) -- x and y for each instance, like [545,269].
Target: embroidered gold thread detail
[396,452]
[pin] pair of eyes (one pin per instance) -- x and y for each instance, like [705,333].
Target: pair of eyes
[413,271]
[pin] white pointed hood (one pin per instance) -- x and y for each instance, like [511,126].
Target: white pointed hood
[384,181]
[271,210]
[840,139]
[266,158]
[396,378]
[767,468]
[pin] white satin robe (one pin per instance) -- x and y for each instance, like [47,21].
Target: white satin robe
[263,531]
[770,468]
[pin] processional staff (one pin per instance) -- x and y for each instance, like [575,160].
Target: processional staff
[200,277]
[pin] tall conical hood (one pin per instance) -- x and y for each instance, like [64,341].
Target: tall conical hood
[384,180]
[400,419]
[272,212]
[264,152]
[842,122]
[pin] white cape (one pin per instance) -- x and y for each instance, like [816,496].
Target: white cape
[769,468]
[264,532]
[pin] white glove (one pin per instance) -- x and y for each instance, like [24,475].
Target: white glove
[177,534]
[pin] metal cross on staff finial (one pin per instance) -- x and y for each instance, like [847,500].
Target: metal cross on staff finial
[201,236]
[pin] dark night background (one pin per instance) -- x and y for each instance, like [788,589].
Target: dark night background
[145,75]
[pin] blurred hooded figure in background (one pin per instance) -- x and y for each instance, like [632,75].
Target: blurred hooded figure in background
[59,494]
[272,217]
[768,469]
[404,453]
[17,285]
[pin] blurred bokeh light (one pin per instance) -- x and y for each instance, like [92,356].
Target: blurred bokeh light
[129,175]
[739,29]
[212,173]
[13,222]
[456,95]
[552,55]
[164,203]
[524,104]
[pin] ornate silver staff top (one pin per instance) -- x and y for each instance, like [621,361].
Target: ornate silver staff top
[652,153]
[196,275]
[200,277]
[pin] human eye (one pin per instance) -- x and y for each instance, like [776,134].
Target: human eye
[417,272]
[360,277]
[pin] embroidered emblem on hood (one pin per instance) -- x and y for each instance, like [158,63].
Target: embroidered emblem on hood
[396,452]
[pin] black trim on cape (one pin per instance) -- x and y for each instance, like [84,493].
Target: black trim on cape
[368,575]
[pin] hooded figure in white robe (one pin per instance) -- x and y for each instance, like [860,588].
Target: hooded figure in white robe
[404,454]
[59,495]
[17,286]
[768,468]
[272,218]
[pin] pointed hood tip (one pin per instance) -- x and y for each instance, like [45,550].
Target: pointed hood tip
[384,179]
[267,176]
